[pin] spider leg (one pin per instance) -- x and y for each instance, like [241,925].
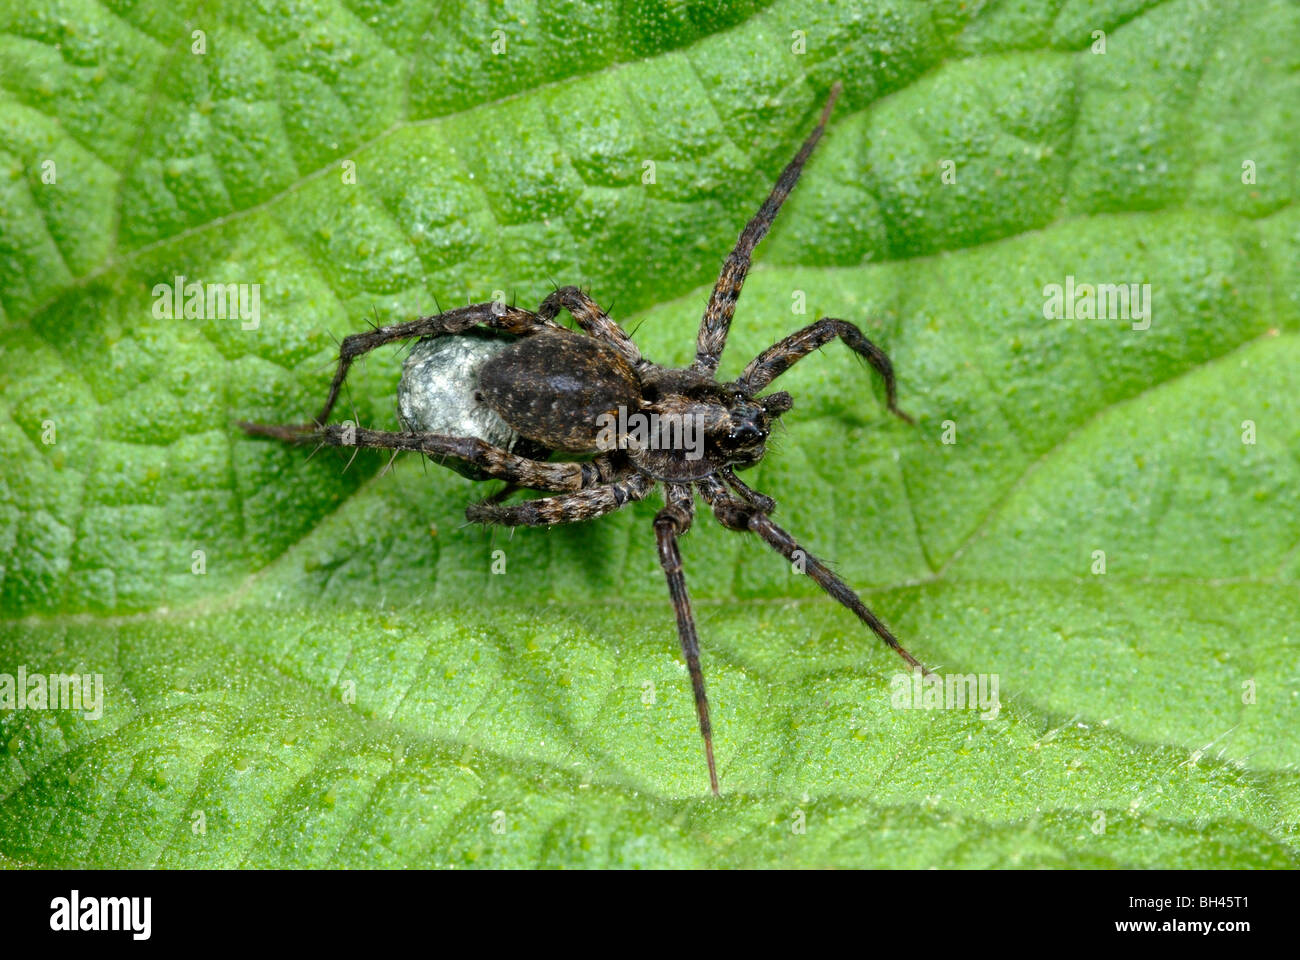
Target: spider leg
[783,355]
[490,314]
[591,318]
[670,523]
[760,501]
[722,302]
[737,515]
[584,504]
[499,463]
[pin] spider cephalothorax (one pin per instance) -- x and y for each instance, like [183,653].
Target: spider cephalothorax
[519,387]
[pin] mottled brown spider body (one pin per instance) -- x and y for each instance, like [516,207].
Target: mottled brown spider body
[553,387]
[639,424]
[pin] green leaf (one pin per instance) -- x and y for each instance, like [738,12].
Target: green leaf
[346,682]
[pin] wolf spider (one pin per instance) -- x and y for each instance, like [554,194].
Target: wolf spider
[552,385]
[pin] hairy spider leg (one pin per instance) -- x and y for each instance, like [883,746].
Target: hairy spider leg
[760,501]
[586,504]
[736,514]
[458,320]
[712,337]
[781,356]
[592,319]
[496,462]
[670,523]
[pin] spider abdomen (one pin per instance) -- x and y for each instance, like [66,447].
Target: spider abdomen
[556,387]
[437,392]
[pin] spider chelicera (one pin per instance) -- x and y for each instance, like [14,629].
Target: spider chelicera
[639,424]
